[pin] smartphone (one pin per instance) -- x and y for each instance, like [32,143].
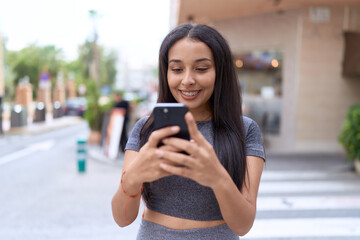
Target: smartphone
[171,114]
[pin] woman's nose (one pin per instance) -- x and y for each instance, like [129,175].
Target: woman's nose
[188,79]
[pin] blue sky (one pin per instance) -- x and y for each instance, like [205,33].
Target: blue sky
[134,28]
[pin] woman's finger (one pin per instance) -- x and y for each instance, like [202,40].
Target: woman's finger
[176,159]
[170,148]
[193,130]
[182,145]
[176,170]
[158,135]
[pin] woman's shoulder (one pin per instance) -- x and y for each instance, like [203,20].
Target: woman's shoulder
[254,140]
[142,120]
[251,128]
[249,123]
[134,138]
[139,125]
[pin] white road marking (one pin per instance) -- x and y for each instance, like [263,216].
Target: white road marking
[308,186]
[308,203]
[41,146]
[295,184]
[299,175]
[305,227]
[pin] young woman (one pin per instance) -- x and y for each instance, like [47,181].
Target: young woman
[214,195]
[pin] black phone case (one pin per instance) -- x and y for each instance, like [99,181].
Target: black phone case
[171,114]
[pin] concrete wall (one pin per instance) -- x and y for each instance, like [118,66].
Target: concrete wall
[315,95]
[272,31]
[324,94]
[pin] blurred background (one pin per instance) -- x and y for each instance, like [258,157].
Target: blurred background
[67,67]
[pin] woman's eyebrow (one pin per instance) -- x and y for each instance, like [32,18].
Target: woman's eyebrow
[203,59]
[197,60]
[174,60]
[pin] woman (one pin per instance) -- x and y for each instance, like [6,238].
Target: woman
[214,195]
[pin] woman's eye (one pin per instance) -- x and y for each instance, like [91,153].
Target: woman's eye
[202,69]
[176,69]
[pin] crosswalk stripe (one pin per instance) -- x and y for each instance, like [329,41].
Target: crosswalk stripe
[308,186]
[308,203]
[305,175]
[315,227]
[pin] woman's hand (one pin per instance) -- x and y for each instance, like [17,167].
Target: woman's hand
[145,167]
[201,165]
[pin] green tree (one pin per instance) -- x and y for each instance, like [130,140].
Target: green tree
[33,60]
[107,67]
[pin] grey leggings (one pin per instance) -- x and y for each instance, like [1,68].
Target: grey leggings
[153,231]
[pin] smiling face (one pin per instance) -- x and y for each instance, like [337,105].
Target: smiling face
[191,76]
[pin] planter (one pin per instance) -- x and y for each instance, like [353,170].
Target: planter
[357,166]
[94,137]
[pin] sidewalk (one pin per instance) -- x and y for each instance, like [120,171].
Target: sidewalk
[333,162]
[95,152]
[40,127]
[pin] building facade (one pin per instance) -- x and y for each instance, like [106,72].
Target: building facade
[315,94]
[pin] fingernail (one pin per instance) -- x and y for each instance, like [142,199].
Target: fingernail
[175,128]
[163,165]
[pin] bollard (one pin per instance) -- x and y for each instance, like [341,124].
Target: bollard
[81,155]
[57,110]
[18,116]
[40,112]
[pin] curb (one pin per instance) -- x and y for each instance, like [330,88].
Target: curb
[96,153]
[42,127]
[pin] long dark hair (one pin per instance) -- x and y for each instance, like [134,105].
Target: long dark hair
[229,136]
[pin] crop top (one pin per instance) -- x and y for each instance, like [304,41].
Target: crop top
[182,197]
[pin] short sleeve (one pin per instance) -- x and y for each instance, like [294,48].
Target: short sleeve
[133,142]
[254,140]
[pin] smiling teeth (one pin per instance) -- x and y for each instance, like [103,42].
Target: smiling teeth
[190,93]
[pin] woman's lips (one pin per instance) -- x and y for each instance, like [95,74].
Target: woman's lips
[189,94]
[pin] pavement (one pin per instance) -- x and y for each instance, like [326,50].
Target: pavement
[301,196]
[40,127]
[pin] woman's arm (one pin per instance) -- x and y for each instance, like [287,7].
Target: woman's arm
[124,208]
[239,208]
[139,167]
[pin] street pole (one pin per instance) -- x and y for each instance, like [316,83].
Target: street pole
[1,81]
[94,65]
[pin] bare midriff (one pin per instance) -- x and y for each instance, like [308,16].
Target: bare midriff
[178,223]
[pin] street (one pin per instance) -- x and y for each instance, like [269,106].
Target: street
[307,197]
[43,196]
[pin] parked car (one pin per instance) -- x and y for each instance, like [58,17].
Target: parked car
[75,106]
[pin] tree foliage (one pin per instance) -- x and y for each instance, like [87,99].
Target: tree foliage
[31,61]
[349,136]
[107,63]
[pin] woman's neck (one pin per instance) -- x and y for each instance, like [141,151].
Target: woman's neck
[201,115]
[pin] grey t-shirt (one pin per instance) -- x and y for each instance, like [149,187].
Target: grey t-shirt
[181,197]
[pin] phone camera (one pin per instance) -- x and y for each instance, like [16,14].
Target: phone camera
[166,110]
